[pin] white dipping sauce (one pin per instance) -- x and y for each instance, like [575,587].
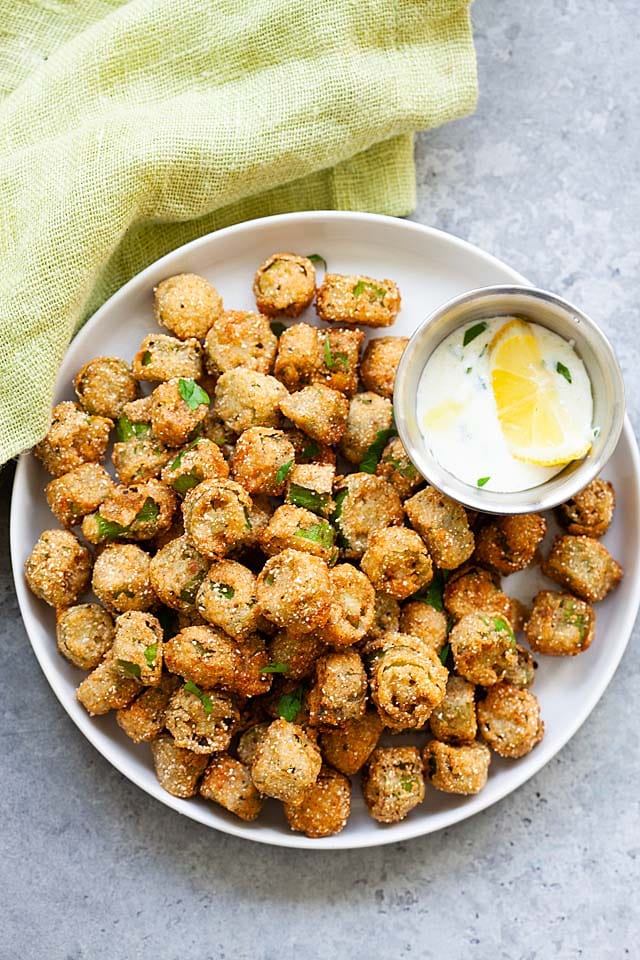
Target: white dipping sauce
[457,410]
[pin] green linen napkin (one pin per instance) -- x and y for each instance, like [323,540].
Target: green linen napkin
[127,129]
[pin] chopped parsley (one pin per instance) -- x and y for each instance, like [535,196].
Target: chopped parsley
[192,393]
[275,668]
[321,533]
[337,360]
[316,258]
[310,451]
[433,595]
[148,512]
[564,371]
[309,499]
[130,669]
[290,704]
[482,481]
[444,653]
[178,460]
[125,429]
[201,695]
[281,475]
[363,285]
[150,654]
[472,332]
[185,482]
[371,458]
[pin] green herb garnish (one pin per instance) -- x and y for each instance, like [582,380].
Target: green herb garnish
[472,332]
[363,285]
[201,695]
[130,669]
[290,704]
[178,460]
[275,668]
[316,258]
[339,360]
[150,654]
[146,358]
[192,393]
[277,328]
[109,529]
[281,475]
[564,371]
[309,499]
[185,482]
[433,596]
[148,512]
[444,653]
[125,429]
[320,533]
[481,481]
[310,451]
[371,458]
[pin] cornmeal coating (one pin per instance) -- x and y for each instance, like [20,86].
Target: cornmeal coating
[107,688]
[357,299]
[560,625]
[294,591]
[509,720]
[74,437]
[139,458]
[310,485]
[143,720]
[339,691]
[228,782]
[84,634]
[396,562]
[386,616]
[473,588]
[287,762]
[249,740]
[137,646]
[121,578]
[420,619]
[325,807]
[408,681]
[298,529]
[396,467]
[104,386]
[393,783]
[227,598]
[202,720]
[216,517]
[186,305]
[58,568]
[178,770]
[380,362]
[339,360]
[369,414]
[238,338]
[297,651]
[165,358]
[352,607]
[510,543]
[364,503]
[461,769]
[483,647]
[173,418]
[200,460]
[443,525]
[583,566]
[284,284]
[81,491]
[262,460]
[139,512]
[522,673]
[590,512]
[247,398]
[176,572]
[349,747]
[317,410]
[298,359]
[454,719]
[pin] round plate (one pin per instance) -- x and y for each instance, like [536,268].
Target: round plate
[430,267]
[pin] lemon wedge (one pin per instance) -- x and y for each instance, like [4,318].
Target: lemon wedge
[535,425]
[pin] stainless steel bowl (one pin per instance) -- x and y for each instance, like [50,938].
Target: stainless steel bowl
[549,311]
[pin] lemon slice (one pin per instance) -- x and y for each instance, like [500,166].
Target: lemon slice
[535,425]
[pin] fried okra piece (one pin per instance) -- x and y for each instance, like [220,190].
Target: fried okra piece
[228,782]
[560,625]
[248,398]
[298,529]
[260,512]
[357,299]
[81,491]
[339,691]
[143,720]
[205,656]
[308,451]
[339,359]
[227,598]
[176,572]
[462,769]
[386,616]
[74,437]
[178,770]
[363,503]
[262,460]
[186,305]
[522,673]
[163,358]
[137,646]
[297,652]
[249,740]
[483,647]
[369,415]
[294,591]
[202,720]
[509,720]
[136,415]
[325,808]
[348,748]
[84,634]
[200,460]
[396,467]
[107,688]
[317,410]
[590,512]
[380,362]
[287,762]
[310,485]
[396,562]
[583,566]
[352,607]
[298,358]
[454,719]
[421,620]
[393,783]
[216,517]
[139,512]
[121,578]
[408,681]
[58,568]
[475,588]
[510,543]
[177,407]
[443,525]
[104,386]
[139,458]
[284,284]
[240,339]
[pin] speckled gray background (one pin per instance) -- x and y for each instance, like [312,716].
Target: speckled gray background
[546,176]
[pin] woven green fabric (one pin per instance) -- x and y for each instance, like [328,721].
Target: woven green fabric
[127,129]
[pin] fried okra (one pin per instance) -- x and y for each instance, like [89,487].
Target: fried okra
[74,437]
[583,566]
[363,503]
[461,769]
[396,562]
[590,512]
[287,762]
[284,284]
[260,512]
[510,543]
[386,616]
[483,647]
[262,460]
[58,568]
[81,491]
[509,720]
[294,591]
[352,606]
[380,362]
[298,358]
[349,747]
[339,691]
[121,578]
[216,517]
[137,646]
[240,339]
[201,720]
[560,625]
[339,360]
[421,620]
[369,414]
[396,467]
[165,358]
[249,740]
[205,656]
[227,598]
[143,720]
[84,634]
[297,652]
[357,299]
[317,410]
[522,673]
[228,782]
[140,457]
[443,525]
[200,460]
[177,407]
[393,783]
[408,681]
[104,386]
[325,807]
[298,529]
[248,398]
[107,688]
[454,719]
[310,485]
[475,588]
[178,770]
[176,572]
[186,305]
[139,512]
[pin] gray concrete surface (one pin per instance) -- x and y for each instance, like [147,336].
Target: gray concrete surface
[545,175]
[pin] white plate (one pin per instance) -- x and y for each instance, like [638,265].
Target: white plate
[429,267]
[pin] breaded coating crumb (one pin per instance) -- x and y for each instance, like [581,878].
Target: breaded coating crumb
[408,681]
[238,338]
[247,398]
[325,807]
[284,284]
[317,410]
[200,460]
[369,415]
[74,437]
[294,591]
[107,688]
[443,525]
[590,512]
[454,719]
[509,720]
[228,782]
[393,783]
[121,578]
[84,634]
[510,543]
[165,358]
[262,460]
[422,620]
[104,386]
[364,503]
[352,607]
[349,747]
[560,625]
[202,720]
[475,588]
[357,299]
[58,568]
[380,362]
[339,692]
[483,647]
[396,562]
[216,517]
[143,720]
[461,769]
[178,770]
[583,566]
[287,762]
[186,305]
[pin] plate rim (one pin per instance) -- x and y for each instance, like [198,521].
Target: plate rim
[407,829]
